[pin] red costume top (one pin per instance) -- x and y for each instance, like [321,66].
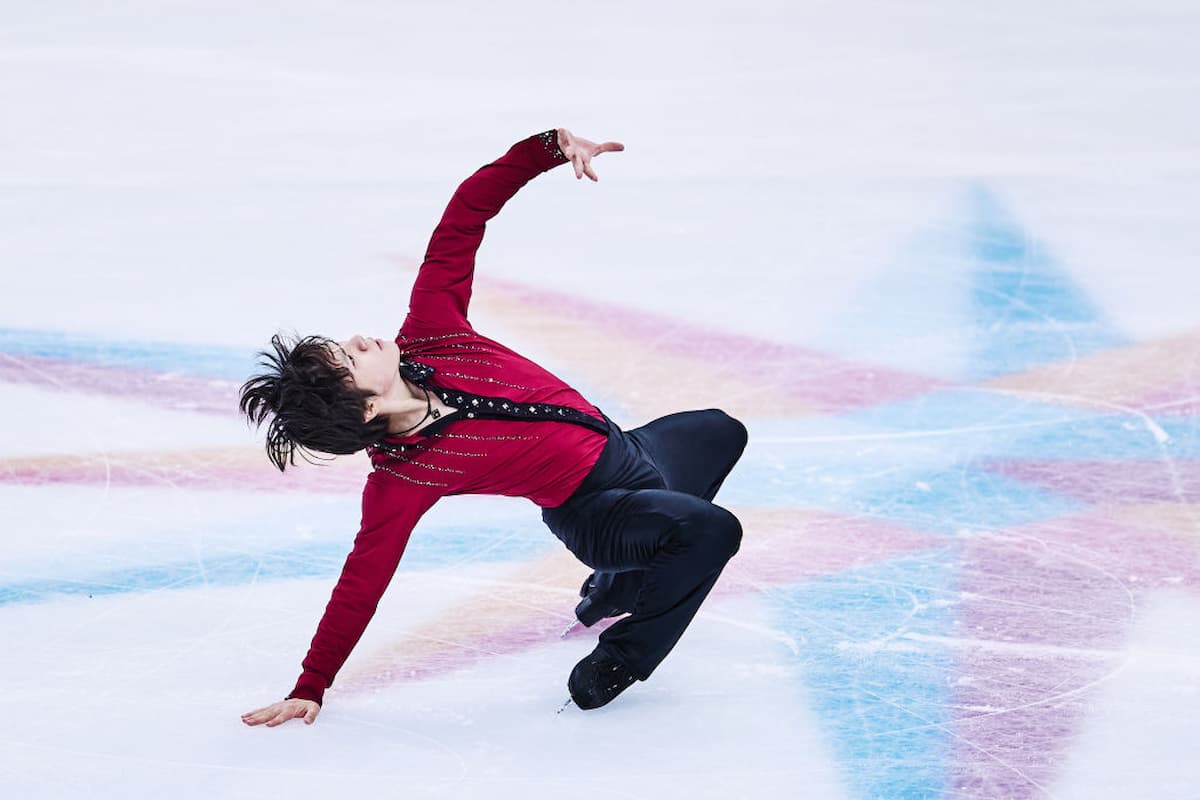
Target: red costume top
[544,461]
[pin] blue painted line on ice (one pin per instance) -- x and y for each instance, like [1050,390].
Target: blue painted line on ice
[948,500]
[441,547]
[194,359]
[965,424]
[1026,310]
[918,461]
[965,498]
[883,699]
[1111,437]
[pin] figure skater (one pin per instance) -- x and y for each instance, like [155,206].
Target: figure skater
[442,410]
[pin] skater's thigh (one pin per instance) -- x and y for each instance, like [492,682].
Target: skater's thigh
[622,529]
[693,450]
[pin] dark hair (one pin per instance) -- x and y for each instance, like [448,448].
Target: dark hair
[314,405]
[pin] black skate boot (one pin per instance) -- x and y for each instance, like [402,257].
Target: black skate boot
[607,594]
[598,679]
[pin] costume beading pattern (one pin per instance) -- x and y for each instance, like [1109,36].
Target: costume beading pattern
[549,140]
[410,479]
[446,452]
[481,379]
[476,438]
[443,337]
[461,359]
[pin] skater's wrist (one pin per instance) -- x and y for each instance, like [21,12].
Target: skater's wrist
[548,152]
[310,686]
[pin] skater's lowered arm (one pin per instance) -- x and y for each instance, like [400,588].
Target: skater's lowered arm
[390,511]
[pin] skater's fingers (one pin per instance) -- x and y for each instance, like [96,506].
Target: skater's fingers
[283,716]
[258,716]
[610,147]
[591,173]
[577,163]
[279,713]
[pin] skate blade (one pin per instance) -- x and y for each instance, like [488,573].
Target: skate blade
[574,624]
[564,706]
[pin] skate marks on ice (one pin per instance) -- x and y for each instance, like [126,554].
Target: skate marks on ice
[1065,483]
[957,565]
[532,604]
[1160,378]
[988,652]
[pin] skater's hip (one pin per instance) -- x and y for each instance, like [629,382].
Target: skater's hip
[623,464]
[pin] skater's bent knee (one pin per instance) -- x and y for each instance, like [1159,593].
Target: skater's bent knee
[729,532]
[718,531]
[733,432]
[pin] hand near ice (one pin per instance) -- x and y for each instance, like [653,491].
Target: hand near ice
[581,152]
[281,712]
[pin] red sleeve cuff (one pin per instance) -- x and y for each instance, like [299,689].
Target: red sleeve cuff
[310,686]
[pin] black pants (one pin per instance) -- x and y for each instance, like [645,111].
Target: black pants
[646,506]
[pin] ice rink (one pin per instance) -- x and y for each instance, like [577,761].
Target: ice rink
[941,258]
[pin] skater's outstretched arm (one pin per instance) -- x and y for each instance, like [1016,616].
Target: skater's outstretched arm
[390,511]
[442,291]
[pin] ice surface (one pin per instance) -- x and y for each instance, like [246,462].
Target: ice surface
[941,258]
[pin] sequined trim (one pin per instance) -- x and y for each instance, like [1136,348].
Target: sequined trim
[549,140]
[475,438]
[488,380]
[438,338]
[394,449]
[402,476]
[416,372]
[463,360]
[443,451]
[474,406]
[433,466]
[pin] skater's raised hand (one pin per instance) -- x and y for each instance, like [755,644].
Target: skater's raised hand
[581,152]
[281,712]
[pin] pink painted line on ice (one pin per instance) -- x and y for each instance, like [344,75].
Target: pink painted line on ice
[1136,555]
[1180,400]
[179,470]
[781,546]
[174,391]
[1044,615]
[1125,481]
[539,629]
[818,379]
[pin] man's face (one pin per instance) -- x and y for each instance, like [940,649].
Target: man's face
[374,364]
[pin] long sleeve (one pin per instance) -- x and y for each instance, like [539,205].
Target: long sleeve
[389,514]
[442,291]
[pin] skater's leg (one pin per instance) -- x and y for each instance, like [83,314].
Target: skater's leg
[693,450]
[690,452]
[678,541]
[607,594]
